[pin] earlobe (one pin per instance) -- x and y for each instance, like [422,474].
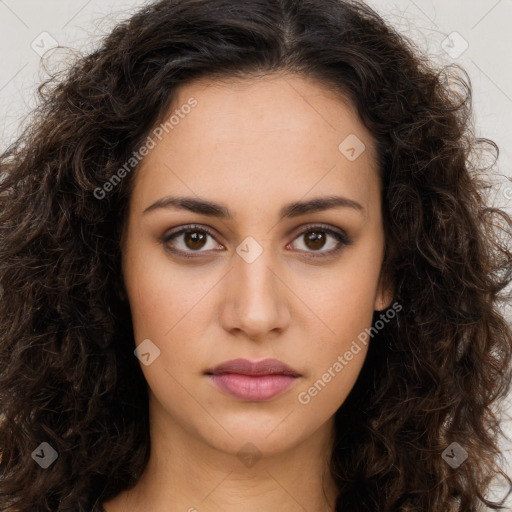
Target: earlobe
[382,303]
[385,293]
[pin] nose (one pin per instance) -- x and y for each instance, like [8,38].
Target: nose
[256,297]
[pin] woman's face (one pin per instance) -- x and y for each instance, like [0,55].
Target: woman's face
[270,280]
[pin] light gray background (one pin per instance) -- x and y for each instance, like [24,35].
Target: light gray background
[441,28]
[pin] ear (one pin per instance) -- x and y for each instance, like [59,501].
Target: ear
[385,293]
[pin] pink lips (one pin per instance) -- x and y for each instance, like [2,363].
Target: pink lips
[253,381]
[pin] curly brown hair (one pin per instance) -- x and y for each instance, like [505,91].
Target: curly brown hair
[432,376]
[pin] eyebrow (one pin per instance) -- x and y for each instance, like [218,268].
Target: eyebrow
[288,211]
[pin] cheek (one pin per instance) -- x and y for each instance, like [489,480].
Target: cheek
[346,301]
[324,393]
[144,287]
[336,358]
[168,307]
[155,304]
[167,319]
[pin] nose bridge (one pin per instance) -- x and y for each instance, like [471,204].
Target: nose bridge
[252,274]
[256,300]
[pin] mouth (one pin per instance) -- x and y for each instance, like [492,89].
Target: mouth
[253,381]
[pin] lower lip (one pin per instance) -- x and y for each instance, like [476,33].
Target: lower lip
[253,388]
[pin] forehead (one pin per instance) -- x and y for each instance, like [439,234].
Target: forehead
[264,137]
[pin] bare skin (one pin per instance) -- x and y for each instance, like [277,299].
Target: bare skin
[254,147]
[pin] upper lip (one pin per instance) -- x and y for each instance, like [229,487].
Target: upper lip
[246,367]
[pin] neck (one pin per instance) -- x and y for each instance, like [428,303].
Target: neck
[184,473]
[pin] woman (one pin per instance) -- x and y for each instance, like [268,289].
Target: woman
[246,260]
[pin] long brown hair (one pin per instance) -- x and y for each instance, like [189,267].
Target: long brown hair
[432,376]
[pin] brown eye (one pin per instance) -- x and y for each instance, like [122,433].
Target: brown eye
[315,238]
[194,239]
[190,239]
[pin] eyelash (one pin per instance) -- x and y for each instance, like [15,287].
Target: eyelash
[340,236]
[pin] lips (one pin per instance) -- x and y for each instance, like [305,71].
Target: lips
[253,381]
[246,367]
